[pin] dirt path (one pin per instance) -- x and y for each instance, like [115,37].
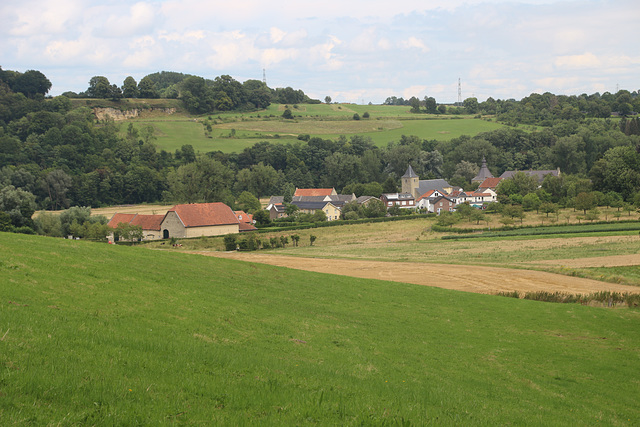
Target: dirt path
[487,280]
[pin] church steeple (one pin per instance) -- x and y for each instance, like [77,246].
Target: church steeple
[410,182]
[483,173]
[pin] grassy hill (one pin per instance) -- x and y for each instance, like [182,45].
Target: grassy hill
[232,132]
[100,334]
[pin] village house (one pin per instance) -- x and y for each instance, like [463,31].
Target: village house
[426,200]
[403,200]
[443,203]
[329,208]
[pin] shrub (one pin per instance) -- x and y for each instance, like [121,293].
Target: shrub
[230,242]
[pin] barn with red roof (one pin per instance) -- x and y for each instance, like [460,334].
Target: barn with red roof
[199,219]
[150,224]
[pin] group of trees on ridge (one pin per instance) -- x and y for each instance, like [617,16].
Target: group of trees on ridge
[54,156]
[199,95]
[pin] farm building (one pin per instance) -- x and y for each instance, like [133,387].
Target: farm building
[199,219]
[150,224]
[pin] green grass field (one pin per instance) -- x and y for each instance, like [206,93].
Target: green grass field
[99,334]
[387,123]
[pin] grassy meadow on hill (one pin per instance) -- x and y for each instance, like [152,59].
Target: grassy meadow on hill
[232,132]
[100,334]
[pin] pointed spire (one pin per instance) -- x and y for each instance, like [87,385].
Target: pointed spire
[483,173]
[410,173]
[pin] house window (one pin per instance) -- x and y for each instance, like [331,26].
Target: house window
[440,203]
[404,203]
[390,204]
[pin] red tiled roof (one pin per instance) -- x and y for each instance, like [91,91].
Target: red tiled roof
[490,183]
[243,217]
[426,195]
[205,214]
[146,222]
[244,226]
[117,218]
[313,192]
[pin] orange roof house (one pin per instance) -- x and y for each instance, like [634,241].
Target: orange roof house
[199,219]
[490,183]
[246,221]
[315,192]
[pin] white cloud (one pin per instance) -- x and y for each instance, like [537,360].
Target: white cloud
[277,34]
[414,43]
[586,60]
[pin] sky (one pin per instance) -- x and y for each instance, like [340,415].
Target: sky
[356,51]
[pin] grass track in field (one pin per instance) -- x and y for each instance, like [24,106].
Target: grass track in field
[97,334]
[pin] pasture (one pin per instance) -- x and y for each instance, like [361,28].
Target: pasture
[100,334]
[232,132]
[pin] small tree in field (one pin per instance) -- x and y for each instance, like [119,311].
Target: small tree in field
[312,239]
[295,238]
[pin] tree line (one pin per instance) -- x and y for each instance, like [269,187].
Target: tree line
[536,109]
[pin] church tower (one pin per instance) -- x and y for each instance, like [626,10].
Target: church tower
[410,182]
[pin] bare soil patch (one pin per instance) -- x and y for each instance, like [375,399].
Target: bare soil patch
[478,279]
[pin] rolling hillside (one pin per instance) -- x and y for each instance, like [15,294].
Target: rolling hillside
[101,334]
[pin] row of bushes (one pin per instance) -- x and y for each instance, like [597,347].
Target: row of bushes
[252,243]
[532,230]
[608,298]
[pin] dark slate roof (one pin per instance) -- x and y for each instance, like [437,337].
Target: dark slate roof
[311,205]
[410,173]
[276,200]
[425,185]
[483,173]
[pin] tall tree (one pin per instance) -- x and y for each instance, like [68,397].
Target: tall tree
[99,87]
[130,88]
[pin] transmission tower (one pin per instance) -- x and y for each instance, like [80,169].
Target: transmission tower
[459,92]
[264,76]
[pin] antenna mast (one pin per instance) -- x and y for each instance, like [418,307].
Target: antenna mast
[264,76]
[459,92]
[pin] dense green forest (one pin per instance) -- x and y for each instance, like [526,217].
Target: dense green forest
[53,156]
